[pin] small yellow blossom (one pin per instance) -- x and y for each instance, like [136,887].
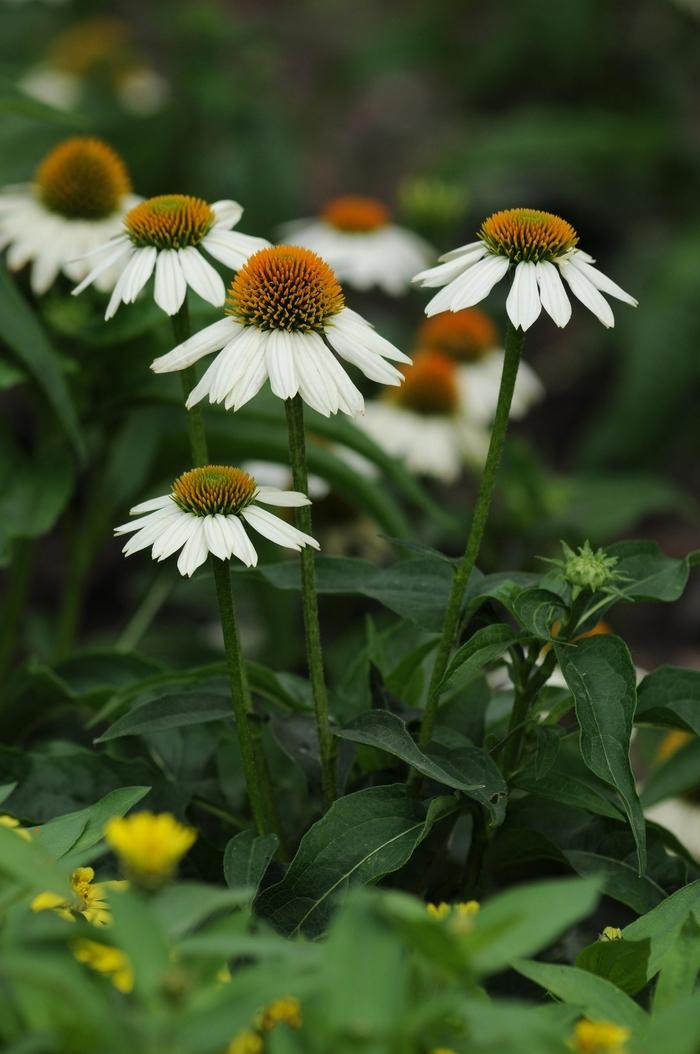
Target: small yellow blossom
[13,824]
[611,933]
[107,960]
[443,1050]
[285,1011]
[246,1043]
[149,846]
[223,975]
[600,1037]
[89,900]
[460,915]
[438,911]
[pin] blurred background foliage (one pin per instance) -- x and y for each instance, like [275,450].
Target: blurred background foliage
[446,110]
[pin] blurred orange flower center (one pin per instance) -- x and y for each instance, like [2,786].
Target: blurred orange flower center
[285,287]
[214,489]
[169,221]
[465,334]
[430,385]
[82,178]
[528,234]
[356,214]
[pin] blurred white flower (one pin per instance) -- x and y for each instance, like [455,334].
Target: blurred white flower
[541,248]
[167,234]
[286,320]
[356,237]
[208,511]
[77,200]
[52,86]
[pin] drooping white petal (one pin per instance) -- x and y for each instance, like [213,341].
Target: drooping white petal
[253,376]
[118,292]
[446,272]
[152,504]
[283,498]
[209,339]
[552,293]
[280,363]
[172,538]
[194,552]
[241,545]
[201,276]
[316,376]
[150,532]
[472,287]
[354,325]
[232,248]
[216,536]
[579,260]
[139,268]
[228,366]
[227,213]
[584,290]
[349,396]
[171,287]
[272,527]
[523,303]
[371,364]
[462,250]
[151,519]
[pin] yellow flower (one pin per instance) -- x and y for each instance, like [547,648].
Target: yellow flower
[149,846]
[246,1043]
[13,824]
[611,933]
[283,1011]
[107,960]
[443,1050]
[460,915]
[600,1037]
[438,911]
[89,900]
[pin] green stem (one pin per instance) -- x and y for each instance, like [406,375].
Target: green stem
[188,377]
[297,455]
[18,579]
[513,351]
[240,695]
[138,624]
[84,543]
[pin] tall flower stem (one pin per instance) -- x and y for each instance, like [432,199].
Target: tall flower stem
[240,694]
[513,351]
[314,654]
[188,376]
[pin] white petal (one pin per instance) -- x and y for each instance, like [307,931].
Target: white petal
[118,292]
[254,375]
[601,281]
[523,303]
[280,363]
[195,549]
[227,213]
[472,287]
[228,366]
[552,293]
[231,247]
[217,537]
[277,530]
[151,519]
[448,271]
[152,504]
[201,276]
[586,292]
[350,399]
[140,268]
[354,325]
[282,498]
[172,538]
[171,287]
[463,250]
[241,545]
[213,337]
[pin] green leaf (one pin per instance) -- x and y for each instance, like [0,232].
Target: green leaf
[600,674]
[663,924]
[171,711]
[485,646]
[246,859]
[537,610]
[619,880]
[677,775]
[524,920]
[596,997]
[680,967]
[670,696]
[182,907]
[564,783]
[88,822]
[416,589]
[29,865]
[623,963]
[24,335]
[654,576]
[362,837]
[136,930]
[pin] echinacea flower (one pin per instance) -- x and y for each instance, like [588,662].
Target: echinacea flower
[89,899]
[106,960]
[206,512]
[471,339]
[285,319]
[149,845]
[357,238]
[540,248]
[75,203]
[600,1037]
[167,234]
[428,423]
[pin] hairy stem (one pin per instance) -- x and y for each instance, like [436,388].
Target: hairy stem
[314,654]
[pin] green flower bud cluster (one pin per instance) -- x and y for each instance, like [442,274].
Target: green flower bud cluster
[588,568]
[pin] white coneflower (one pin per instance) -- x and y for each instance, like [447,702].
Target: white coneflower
[429,422]
[167,234]
[541,249]
[471,339]
[76,202]
[365,249]
[285,318]
[207,511]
